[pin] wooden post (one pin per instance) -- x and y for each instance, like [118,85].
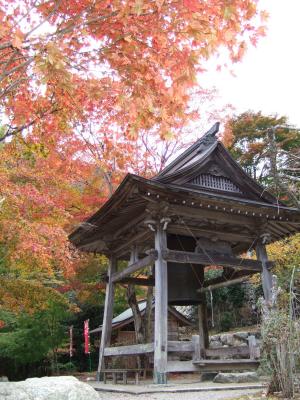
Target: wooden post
[202,317]
[161,310]
[266,275]
[201,330]
[108,315]
[252,347]
[197,347]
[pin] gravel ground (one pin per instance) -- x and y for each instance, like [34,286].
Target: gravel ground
[221,395]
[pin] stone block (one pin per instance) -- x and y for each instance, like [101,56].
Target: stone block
[242,377]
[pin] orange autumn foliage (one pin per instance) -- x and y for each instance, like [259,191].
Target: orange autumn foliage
[83,86]
[113,65]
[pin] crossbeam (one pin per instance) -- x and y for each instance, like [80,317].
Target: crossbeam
[142,263]
[130,350]
[213,259]
[137,281]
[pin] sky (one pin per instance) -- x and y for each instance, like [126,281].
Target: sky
[268,78]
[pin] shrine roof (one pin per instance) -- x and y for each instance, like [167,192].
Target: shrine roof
[126,317]
[205,176]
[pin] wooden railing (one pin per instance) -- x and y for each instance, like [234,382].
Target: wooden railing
[251,351]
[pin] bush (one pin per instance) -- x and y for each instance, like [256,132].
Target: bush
[66,367]
[226,321]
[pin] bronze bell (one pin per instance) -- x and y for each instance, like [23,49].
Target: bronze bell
[183,279]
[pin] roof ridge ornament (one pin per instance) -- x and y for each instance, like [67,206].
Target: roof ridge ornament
[203,143]
[209,137]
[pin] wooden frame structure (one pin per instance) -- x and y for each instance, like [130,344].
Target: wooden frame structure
[205,198]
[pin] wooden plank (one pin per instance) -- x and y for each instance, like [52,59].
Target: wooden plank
[211,259]
[161,309]
[180,346]
[107,317]
[181,366]
[228,351]
[142,263]
[266,276]
[129,350]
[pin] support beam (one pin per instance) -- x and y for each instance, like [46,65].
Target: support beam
[266,276]
[142,263]
[107,317]
[137,281]
[214,259]
[181,229]
[161,309]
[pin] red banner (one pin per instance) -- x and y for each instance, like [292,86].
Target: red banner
[86,333]
[71,341]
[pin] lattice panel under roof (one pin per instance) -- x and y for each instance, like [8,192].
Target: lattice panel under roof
[215,182]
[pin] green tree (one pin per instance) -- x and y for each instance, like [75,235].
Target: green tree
[268,147]
[29,338]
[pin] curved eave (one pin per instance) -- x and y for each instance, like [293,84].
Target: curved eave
[114,212]
[92,222]
[214,195]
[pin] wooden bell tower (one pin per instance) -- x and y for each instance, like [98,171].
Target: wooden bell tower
[201,210]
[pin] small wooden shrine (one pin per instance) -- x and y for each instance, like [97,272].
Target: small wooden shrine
[201,210]
[123,331]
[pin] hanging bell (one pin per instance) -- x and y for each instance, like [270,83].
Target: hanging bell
[184,278]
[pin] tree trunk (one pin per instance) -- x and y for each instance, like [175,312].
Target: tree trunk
[137,317]
[148,313]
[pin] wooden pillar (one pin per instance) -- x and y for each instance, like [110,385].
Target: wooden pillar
[202,318]
[203,326]
[107,317]
[266,275]
[161,310]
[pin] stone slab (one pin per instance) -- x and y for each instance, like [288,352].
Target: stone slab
[172,388]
